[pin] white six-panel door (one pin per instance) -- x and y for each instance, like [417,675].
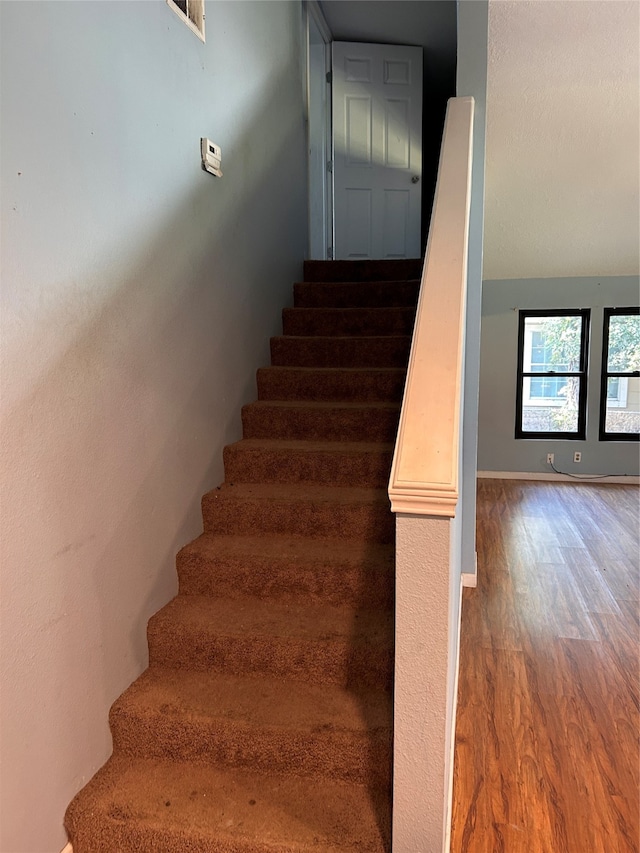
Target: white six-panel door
[377,150]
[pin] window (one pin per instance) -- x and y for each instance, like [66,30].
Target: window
[191,12]
[620,390]
[551,395]
[539,356]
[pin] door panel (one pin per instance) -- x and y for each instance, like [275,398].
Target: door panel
[396,224]
[358,222]
[359,126]
[377,150]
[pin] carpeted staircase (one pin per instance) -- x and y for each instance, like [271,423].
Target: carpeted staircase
[264,721]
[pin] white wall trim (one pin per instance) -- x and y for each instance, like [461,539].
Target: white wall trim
[314,10]
[470,579]
[630,480]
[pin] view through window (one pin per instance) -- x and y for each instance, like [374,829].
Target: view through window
[552,365]
[620,395]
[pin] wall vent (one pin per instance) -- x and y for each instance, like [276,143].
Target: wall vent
[191,12]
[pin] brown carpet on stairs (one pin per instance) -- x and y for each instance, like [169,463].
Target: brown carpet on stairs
[264,721]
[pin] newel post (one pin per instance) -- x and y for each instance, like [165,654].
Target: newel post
[424,709]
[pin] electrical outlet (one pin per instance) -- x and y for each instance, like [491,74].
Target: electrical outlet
[550,458]
[577,456]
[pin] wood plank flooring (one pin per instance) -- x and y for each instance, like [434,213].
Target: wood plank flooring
[547,751]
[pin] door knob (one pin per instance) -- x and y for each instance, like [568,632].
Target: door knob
[415,179]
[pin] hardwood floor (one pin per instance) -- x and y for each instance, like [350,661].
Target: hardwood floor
[547,751]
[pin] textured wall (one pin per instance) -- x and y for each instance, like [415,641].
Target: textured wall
[563,135]
[138,294]
[425,584]
[498,450]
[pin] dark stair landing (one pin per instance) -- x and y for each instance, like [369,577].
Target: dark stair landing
[264,721]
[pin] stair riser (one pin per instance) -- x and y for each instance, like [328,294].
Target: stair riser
[119,829]
[335,661]
[121,834]
[340,352]
[383,386]
[348,756]
[332,322]
[389,294]
[244,465]
[371,522]
[381,270]
[289,582]
[320,424]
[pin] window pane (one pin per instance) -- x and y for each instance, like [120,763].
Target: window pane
[623,415]
[624,343]
[549,387]
[555,344]
[561,412]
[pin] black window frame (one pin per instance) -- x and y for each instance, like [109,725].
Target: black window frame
[581,373]
[605,375]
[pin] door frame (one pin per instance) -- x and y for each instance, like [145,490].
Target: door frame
[317,102]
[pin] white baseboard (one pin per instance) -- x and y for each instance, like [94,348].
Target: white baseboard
[556,478]
[470,579]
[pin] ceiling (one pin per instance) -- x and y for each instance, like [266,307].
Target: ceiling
[563,139]
[563,124]
[431,25]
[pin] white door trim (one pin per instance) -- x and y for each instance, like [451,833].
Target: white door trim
[318,119]
[314,11]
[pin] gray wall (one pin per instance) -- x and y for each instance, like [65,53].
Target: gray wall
[138,296]
[498,450]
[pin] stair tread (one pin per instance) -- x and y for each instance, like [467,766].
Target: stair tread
[357,271]
[291,368]
[353,309]
[337,463]
[331,383]
[301,445]
[374,294]
[373,283]
[348,322]
[150,805]
[326,405]
[302,508]
[333,339]
[293,492]
[288,568]
[288,548]
[281,704]
[254,617]
[397,371]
